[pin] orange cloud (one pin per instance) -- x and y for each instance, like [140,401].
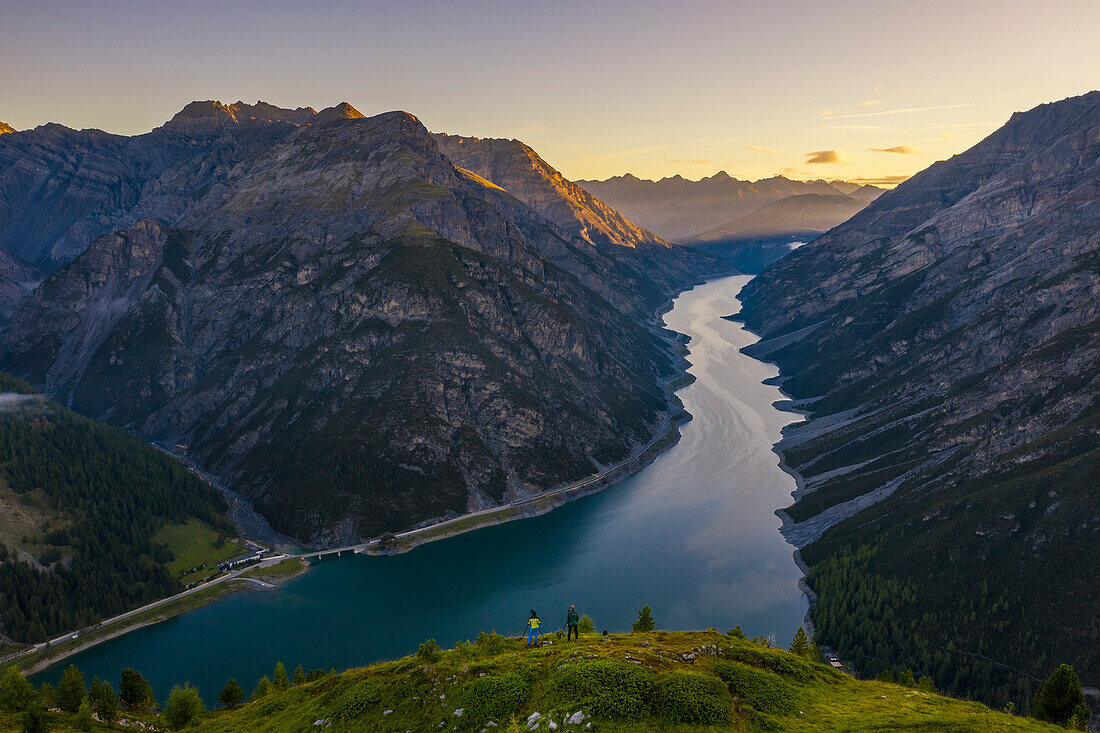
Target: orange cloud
[899,149]
[888,181]
[871,103]
[759,149]
[827,157]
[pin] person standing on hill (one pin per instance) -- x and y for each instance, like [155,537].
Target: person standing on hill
[533,624]
[572,618]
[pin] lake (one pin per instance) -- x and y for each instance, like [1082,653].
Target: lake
[694,535]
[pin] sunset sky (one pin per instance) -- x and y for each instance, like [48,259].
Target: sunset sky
[843,89]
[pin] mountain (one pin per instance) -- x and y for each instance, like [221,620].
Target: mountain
[85,514]
[5,127]
[327,314]
[678,208]
[805,214]
[651,263]
[17,278]
[945,342]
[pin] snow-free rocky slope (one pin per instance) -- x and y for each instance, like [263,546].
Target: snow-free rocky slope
[321,309]
[946,342]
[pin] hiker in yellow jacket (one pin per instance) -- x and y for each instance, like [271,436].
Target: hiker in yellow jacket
[533,624]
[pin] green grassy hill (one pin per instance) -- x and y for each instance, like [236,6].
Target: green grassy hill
[662,681]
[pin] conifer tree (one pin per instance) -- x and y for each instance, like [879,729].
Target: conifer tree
[280,678]
[70,690]
[645,621]
[299,675]
[232,695]
[1060,700]
[800,645]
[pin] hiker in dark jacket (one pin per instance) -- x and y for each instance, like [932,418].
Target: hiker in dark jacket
[571,621]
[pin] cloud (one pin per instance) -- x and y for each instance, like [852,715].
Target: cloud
[904,110]
[759,149]
[947,135]
[890,181]
[624,153]
[899,149]
[691,161]
[827,113]
[871,103]
[827,157]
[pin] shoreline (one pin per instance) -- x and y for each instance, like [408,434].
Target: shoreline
[35,659]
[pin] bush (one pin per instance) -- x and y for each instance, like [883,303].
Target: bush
[263,688]
[428,652]
[358,699]
[885,676]
[492,643]
[737,633]
[690,697]
[493,698]
[606,688]
[35,720]
[84,718]
[927,684]
[183,706]
[232,694]
[586,625]
[762,691]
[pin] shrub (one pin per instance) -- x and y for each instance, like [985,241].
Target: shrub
[183,706]
[491,643]
[926,684]
[428,652]
[299,675]
[737,633]
[690,697]
[763,691]
[606,688]
[35,720]
[885,676]
[263,687]
[586,625]
[358,699]
[906,678]
[493,698]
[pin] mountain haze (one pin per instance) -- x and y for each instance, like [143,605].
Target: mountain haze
[946,344]
[678,208]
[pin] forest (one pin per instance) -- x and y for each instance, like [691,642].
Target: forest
[105,493]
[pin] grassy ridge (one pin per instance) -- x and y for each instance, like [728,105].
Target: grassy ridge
[663,681]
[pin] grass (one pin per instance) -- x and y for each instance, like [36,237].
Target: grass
[195,546]
[279,572]
[663,681]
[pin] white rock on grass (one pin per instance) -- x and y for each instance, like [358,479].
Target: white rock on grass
[459,712]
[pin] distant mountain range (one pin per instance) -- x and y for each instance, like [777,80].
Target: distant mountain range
[804,214]
[323,310]
[946,344]
[680,209]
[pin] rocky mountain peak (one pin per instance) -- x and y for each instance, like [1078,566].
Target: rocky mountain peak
[5,127]
[342,111]
[212,114]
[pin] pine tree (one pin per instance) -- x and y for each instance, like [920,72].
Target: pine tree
[70,690]
[586,625]
[800,645]
[183,706]
[232,695]
[263,688]
[280,679]
[84,719]
[1060,700]
[134,691]
[104,701]
[16,694]
[645,622]
[299,675]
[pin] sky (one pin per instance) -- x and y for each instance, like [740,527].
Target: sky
[846,89]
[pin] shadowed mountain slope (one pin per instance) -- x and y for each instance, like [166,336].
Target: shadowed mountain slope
[946,342]
[338,322]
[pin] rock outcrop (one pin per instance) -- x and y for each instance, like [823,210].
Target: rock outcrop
[333,318]
[946,343]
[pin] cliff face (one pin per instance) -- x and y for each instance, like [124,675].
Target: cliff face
[678,208]
[349,329]
[643,261]
[946,342]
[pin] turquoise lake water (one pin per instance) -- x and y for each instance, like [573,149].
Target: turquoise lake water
[694,535]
